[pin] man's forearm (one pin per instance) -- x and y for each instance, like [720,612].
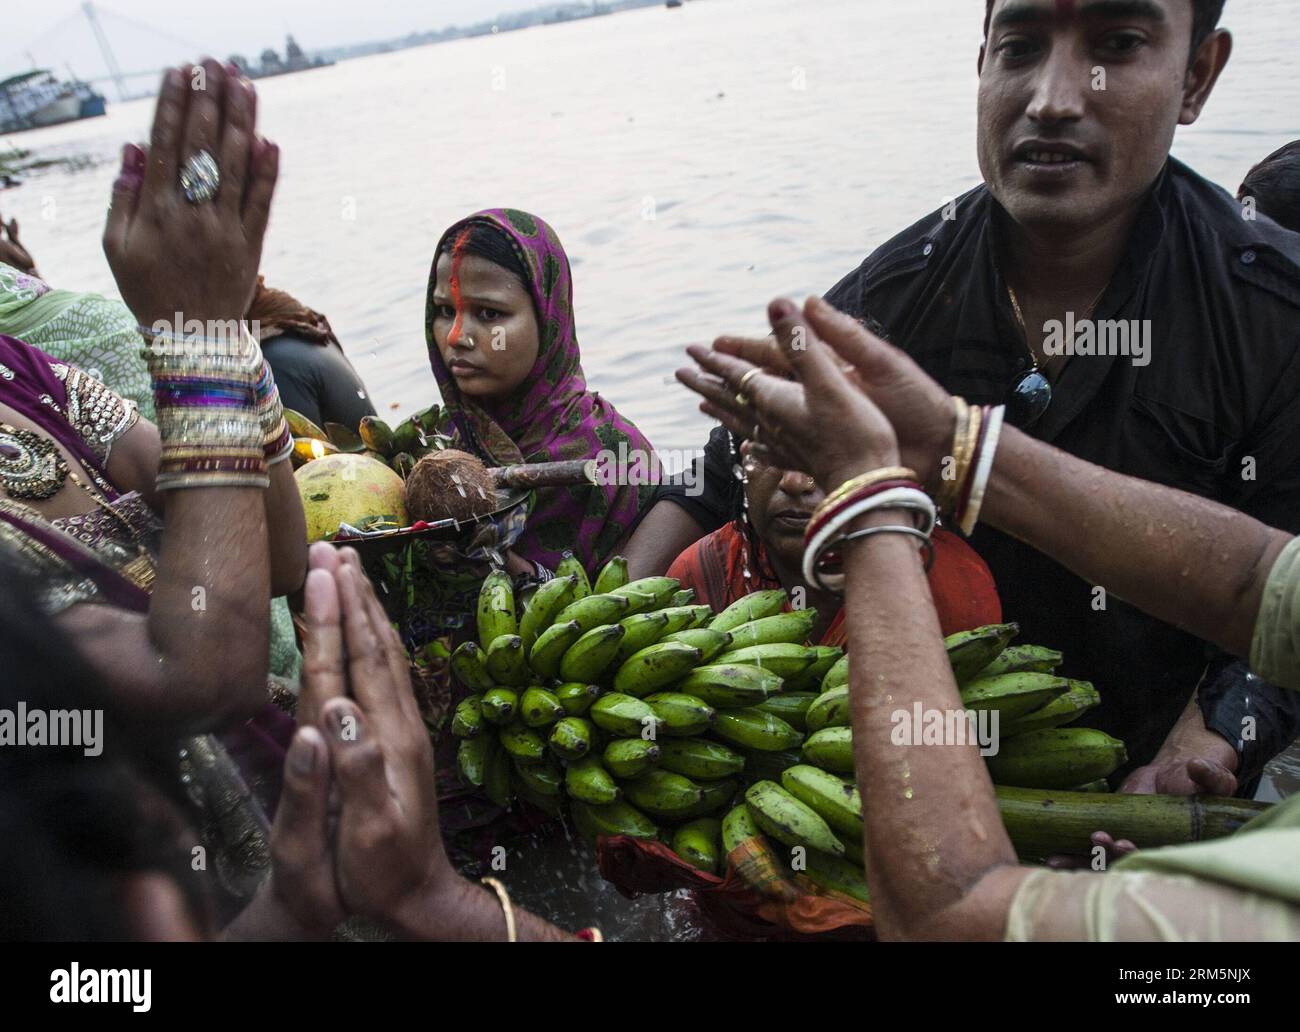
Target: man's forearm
[1190,562]
[287,531]
[462,911]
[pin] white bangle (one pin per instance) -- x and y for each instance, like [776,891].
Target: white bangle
[896,497]
[992,432]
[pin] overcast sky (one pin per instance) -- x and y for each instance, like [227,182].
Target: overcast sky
[152,33]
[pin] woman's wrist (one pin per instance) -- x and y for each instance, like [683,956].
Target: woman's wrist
[842,473]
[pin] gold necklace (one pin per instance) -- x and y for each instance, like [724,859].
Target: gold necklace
[1024,330]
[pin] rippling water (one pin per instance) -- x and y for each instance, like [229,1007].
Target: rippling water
[696,162]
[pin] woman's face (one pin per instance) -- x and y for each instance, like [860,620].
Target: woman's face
[484,326]
[780,503]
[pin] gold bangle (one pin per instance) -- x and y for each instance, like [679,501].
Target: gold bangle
[876,476]
[507,908]
[950,490]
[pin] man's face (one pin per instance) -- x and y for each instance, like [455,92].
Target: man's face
[1078,102]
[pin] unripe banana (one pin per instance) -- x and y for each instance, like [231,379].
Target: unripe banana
[831,749]
[594,611]
[628,757]
[472,756]
[969,652]
[467,720]
[1016,659]
[576,697]
[785,660]
[542,608]
[612,575]
[754,729]
[737,827]
[682,618]
[684,597]
[833,798]
[570,566]
[590,655]
[571,738]
[810,680]
[830,710]
[769,766]
[469,665]
[527,792]
[699,843]
[643,630]
[523,743]
[843,877]
[496,608]
[660,589]
[1100,785]
[730,684]
[790,628]
[499,705]
[550,647]
[837,675]
[699,758]
[538,707]
[496,777]
[541,778]
[710,642]
[753,606]
[792,707]
[506,662]
[681,715]
[655,667]
[788,820]
[589,781]
[663,794]
[610,820]
[1064,709]
[624,716]
[1013,695]
[1056,758]
[714,796]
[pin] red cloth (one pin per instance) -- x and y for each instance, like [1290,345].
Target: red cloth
[961,585]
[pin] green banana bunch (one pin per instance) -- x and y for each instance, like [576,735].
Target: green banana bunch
[786,819]
[624,716]
[594,611]
[628,757]
[969,652]
[753,606]
[833,798]
[699,843]
[784,659]
[469,665]
[1056,758]
[467,719]
[523,743]
[810,679]
[681,716]
[570,566]
[496,608]
[790,628]
[612,575]
[506,662]
[499,705]
[1013,695]
[543,607]
[708,641]
[471,758]
[730,684]
[754,729]
[588,657]
[699,758]
[831,749]
[830,710]
[588,780]
[550,647]
[571,738]
[663,794]
[655,667]
[792,707]
[1064,709]
[538,707]
[643,630]
[576,697]
[610,820]
[1017,659]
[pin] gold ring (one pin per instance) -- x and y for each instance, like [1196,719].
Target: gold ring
[742,399]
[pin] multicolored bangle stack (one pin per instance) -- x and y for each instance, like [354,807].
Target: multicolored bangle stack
[206,397]
[893,487]
[975,440]
[277,441]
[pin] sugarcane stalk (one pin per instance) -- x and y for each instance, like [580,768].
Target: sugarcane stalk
[1042,822]
[526,476]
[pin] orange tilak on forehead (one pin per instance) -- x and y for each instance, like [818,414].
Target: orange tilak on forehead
[457,257]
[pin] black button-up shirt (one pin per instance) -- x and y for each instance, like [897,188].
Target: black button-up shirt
[1215,412]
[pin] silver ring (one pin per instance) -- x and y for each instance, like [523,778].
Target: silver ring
[200,178]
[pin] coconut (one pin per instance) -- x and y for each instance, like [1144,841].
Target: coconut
[449,484]
[352,489]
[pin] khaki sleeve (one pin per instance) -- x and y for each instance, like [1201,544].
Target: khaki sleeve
[1275,649]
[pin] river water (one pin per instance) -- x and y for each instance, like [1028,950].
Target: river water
[696,162]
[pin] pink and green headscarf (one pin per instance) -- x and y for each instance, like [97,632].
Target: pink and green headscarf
[551,416]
